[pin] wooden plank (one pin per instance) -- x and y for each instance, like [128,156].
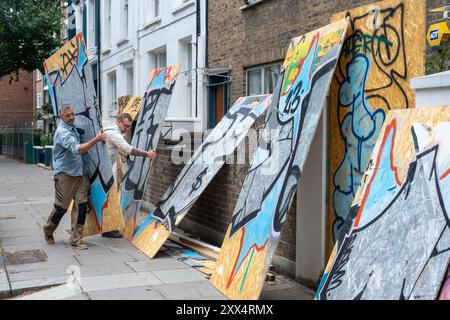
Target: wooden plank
[384,49]
[272,179]
[201,247]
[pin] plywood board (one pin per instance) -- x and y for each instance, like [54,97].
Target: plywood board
[133,106]
[396,241]
[146,135]
[273,176]
[198,173]
[123,102]
[384,49]
[69,78]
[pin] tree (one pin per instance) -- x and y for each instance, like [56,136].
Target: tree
[438,59]
[29,34]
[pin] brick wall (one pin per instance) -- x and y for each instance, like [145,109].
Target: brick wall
[241,39]
[16,99]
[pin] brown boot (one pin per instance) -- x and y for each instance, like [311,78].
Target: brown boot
[75,239]
[49,228]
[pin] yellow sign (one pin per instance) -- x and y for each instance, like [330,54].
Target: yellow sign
[437,34]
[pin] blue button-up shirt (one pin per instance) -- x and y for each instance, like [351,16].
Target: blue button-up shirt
[65,153]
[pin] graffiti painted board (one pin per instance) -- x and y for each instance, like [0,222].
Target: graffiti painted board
[146,135]
[384,49]
[69,79]
[198,173]
[395,243]
[272,178]
[130,105]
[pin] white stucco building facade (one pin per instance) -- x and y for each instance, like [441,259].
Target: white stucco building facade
[140,35]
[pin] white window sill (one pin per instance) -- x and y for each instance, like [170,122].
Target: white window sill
[247,6]
[122,41]
[182,7]
[151,22]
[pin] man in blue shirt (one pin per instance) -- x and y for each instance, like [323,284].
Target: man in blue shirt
[71,183]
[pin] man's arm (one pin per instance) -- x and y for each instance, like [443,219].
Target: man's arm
[126,149]
[88,145]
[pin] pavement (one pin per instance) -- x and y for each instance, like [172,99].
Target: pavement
[111,269]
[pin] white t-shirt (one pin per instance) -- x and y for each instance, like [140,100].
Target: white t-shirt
[116,143]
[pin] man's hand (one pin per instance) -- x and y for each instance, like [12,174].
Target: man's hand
[101,137]
[151,154]
[91,143]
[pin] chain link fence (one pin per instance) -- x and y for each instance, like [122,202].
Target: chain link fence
[15,140]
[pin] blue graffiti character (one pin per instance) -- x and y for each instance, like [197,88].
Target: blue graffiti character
[359,129]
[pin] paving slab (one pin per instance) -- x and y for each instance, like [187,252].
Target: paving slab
[106,269]
[118,281]
[284,288]
[189,291]
[38,283]
[157,265]
[139,293]
[179,275]
[109,258]
[59,271]
[61,292]
[136,254]
[60,263]
[4,284]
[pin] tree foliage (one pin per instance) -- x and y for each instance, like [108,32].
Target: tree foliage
[438,59]
[29,33]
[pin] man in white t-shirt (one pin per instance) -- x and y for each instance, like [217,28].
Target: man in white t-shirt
[117,144]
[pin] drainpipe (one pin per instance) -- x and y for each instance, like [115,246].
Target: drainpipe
[198,31]
[99,41]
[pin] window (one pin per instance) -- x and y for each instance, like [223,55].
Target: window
[157,58]
[107,29]
[185,58]
[161,59]
[39,100]
[129,80]
[65,31]
[112,90]
[91,25]
[125,19]
[46,97]
[154,9]
[262,80]
[38,75]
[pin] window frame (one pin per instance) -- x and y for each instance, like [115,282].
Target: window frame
[262,68]
[39,102]
[112,93]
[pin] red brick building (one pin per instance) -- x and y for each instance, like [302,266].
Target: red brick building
[16,99]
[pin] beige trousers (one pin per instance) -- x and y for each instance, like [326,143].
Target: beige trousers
[69,188]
